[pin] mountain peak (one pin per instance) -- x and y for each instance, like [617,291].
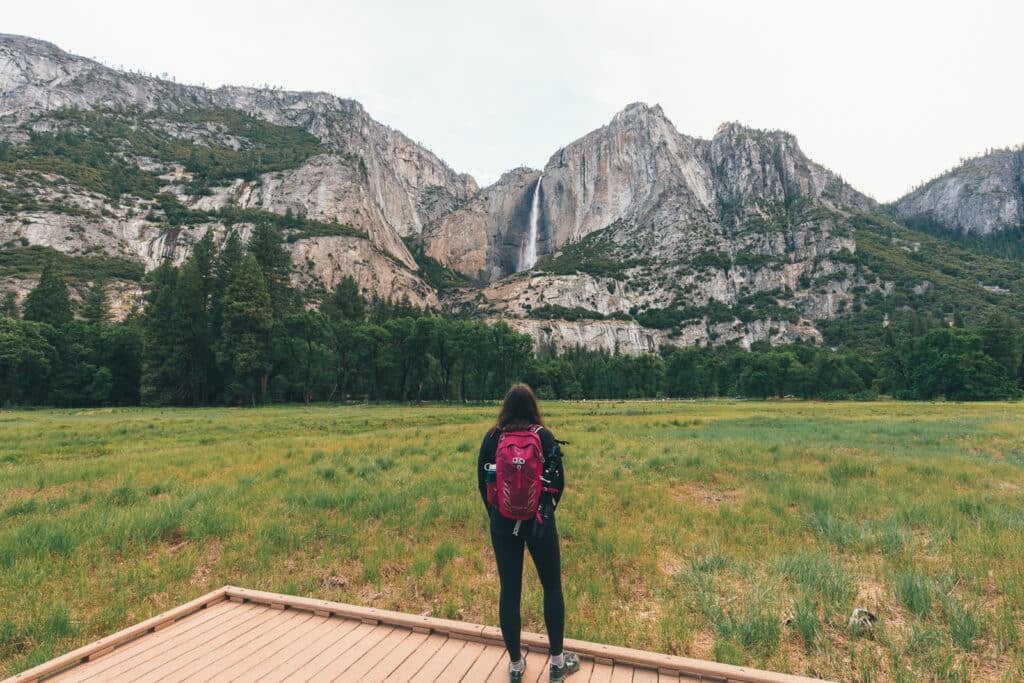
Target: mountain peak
[28,43]
[638,110]
[735,129]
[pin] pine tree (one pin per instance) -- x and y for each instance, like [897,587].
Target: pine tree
[203,256]
[192,330]
[9,307]
[161,375]
[248,319]
[95,308]
[1000,335]
[228,261]
[345,302]
[48,302]
[275,263]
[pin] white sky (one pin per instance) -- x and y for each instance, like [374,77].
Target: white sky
[887,94]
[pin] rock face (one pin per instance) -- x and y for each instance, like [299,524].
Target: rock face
[621,172]
[646,237]
[371,176]
[485,238]
[983,196]
[621,336]
[326,260]
[324,188]
[640,172]
[636,217]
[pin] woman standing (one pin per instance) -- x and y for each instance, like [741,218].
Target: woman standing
[520,417]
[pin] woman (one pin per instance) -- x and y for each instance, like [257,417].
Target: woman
[520,413]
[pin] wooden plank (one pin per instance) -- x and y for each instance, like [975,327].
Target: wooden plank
[298,632]
[172,662]
[339,666]
[462,662]
[388,617]
[397,657]
[416,660]
[623,655]
[488,660]
[153,644]
[385,646]
[668,677]
[262,645]
[126,635]
[586,668]
[644,675]
[147,647]
[602,673]
[499,674]
[330,650]
[298,651]
[692,667]
[433,667]
[622,673]
[335,665]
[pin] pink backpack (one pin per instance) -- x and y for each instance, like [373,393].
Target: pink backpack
[519,463]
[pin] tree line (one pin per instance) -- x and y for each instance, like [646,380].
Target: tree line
[226,328]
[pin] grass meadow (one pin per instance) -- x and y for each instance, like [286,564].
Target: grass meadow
[744,532]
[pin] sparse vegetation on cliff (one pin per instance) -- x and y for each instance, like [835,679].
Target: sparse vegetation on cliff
[101,150]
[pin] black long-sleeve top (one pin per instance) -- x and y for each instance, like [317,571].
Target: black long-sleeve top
[550,449]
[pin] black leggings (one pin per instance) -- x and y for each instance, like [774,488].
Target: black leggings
[508,551]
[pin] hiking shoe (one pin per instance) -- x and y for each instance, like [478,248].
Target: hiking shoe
[516,676]
[571,666]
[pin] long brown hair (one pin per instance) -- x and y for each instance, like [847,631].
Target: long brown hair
[519,410]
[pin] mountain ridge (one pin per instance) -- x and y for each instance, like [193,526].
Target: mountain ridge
[646,236]
[983,196]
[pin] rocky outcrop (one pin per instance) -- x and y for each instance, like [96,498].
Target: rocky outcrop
[668,221]
[983,196]
[324,188]
[120,233]
[614,336]
[623,336]
[752,168]
[123,297]
[670,194]
[326,260]
[484,239]
[398,185]
[621,172]
[518,295]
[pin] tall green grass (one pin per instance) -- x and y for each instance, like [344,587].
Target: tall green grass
[741,531]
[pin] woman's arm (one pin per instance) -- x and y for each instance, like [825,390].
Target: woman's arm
[487,450]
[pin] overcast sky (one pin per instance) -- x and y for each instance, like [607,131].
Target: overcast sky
[887,94]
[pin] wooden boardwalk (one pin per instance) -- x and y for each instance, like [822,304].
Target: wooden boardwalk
[236,634]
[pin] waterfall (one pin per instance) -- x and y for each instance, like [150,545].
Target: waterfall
[529,257]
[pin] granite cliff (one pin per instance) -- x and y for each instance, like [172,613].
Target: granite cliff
[637,219]
[982,197]
[643,236]
[364,174]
